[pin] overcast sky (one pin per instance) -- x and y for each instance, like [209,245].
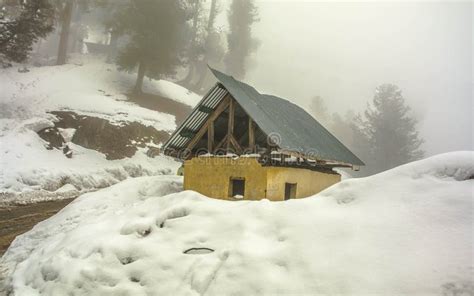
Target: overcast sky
[342,51]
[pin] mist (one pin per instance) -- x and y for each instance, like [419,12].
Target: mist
[342,51]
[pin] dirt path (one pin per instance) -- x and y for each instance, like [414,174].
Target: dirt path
[18,219]
[162,104]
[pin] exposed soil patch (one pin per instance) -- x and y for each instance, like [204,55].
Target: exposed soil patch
[114,141]
[162,104]
[18,219]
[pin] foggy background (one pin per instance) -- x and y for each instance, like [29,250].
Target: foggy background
[342,51]
[327,57]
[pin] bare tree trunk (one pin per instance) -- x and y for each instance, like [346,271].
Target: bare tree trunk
[186,82]
[210,27]
[112,50]
[140,76]
[212,16]
[65,27]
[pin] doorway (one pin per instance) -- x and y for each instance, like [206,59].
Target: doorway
[237,187]
[290,190]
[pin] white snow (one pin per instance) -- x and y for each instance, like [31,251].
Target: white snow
[66,188]
[407,231]
[30,172]
[88,86]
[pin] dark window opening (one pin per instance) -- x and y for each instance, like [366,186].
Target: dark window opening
[290,190]
[237,187]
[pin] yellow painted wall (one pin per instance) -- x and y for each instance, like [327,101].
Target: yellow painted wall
[308,182]
[211,176]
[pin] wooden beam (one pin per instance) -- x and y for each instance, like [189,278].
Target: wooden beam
[230,125]
[235,144]
[220,108]
[224,140]
[210,137]
[251,135]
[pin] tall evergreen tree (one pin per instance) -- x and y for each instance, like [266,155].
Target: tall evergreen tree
[21,26]
[194,47]
[242,14]
[66,11]
[213,47]
[204,43]
[389,130]
[155,31]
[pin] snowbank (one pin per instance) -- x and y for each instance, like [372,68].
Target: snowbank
[91,87]
[32,173]
[408,231]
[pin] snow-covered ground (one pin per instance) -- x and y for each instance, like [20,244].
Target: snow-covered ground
[407,231]
[87,86]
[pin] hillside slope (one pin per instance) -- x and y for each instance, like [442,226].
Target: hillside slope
[73,125]
[407,231]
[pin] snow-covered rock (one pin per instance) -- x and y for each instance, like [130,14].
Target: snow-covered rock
[66,188]
[407,231]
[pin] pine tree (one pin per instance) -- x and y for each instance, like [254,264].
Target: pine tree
[204,44]
[66,11]
[213,47]
[155,32]
[21,26]
[389,130]
[194,47]
[242,14]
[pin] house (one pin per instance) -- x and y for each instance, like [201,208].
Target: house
[240,144]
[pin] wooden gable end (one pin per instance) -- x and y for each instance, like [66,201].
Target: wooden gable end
[228,129]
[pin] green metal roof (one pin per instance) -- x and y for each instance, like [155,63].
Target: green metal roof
[291,126]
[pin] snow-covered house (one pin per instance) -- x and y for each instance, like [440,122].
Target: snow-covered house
[238,143]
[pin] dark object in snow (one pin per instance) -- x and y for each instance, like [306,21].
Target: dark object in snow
[198,251]
[126,260]
[53,137]
[23,70]
[67,151]
[144,233]
[134,279]
[152,152]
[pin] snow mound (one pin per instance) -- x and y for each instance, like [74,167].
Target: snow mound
[407,231]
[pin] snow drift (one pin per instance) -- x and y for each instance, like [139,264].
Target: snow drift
[407,231]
